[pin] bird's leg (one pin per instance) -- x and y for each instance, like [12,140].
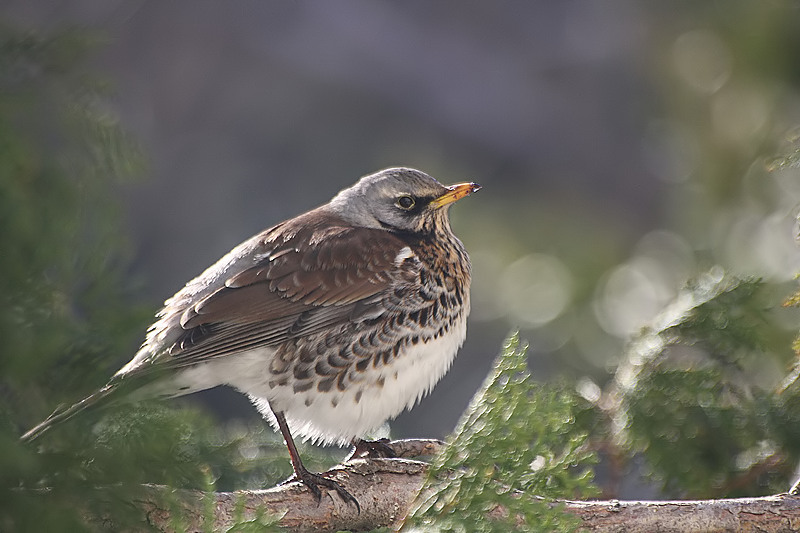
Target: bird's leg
[309,479]
[371,448]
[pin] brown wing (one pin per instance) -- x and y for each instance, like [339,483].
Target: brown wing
[306,274]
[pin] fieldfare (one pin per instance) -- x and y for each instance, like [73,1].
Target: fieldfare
[331,322]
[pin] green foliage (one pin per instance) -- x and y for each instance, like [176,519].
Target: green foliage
[692,437]
[60,295]
[65,314]
[723,315]
[789,156]
[515,436]
[698,400]
[62,260]
[262,522]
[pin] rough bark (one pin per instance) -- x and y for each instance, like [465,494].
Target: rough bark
[779,513]
[385,488]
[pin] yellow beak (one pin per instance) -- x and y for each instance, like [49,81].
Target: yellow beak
[455,192]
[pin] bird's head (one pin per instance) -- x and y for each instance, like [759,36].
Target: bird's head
[399,199]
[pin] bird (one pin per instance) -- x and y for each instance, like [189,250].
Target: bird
[332,322]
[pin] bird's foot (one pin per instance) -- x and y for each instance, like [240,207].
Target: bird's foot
[371,449]
[315,481]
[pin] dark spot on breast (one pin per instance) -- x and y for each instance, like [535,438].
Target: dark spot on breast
[340,384]
[362,364]
[426,294]
[302,386]
[339,360]
[325,385]
[423,316]
[305,356]
[357,397]
[381,382]
[322,368]
[435,313]
[302,372]
[387,357]
[359,349]
[308,401]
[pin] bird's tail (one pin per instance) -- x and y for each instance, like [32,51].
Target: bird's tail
[63,413]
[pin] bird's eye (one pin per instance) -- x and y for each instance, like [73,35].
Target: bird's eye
[406,202]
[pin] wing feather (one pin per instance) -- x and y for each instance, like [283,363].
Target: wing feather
[300,277]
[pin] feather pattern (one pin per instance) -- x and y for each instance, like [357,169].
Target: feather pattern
[282,296]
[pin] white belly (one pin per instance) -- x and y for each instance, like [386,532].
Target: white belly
[335,416]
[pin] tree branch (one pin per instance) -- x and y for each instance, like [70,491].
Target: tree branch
[768,514]
[386,488]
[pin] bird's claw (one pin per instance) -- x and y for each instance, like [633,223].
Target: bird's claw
[372,449]
[315,481]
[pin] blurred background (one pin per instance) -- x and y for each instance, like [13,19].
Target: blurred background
[624,147]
